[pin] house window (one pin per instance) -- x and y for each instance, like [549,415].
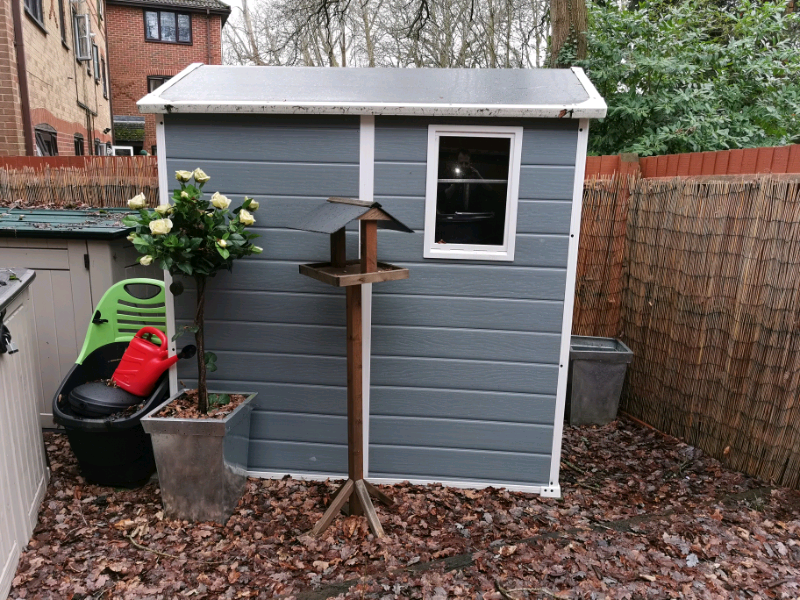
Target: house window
[34,9]
[46,140]
[83,36]
[63,23]
[99,149]
[156,81]
[103,74]
[96,63]
[167,26]
[100,15]
[472,192]
[79,145]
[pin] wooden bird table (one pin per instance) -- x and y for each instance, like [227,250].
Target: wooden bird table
[331,218]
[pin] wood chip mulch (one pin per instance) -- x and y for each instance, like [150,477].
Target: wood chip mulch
[642,516]
[185,407]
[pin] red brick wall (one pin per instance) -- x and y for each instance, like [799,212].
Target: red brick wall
[12,142]
[132,59]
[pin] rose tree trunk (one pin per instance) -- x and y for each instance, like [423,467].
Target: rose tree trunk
[202,391]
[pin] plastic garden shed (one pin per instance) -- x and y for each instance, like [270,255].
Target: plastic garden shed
[465,362]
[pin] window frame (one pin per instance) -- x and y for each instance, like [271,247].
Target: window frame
[63,25]
[48,134]
[78,142]
[104,76]
[505,252]
[35,10]
[96,63]
[158,19]
[163,78]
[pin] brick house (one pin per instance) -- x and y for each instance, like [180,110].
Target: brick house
[149,42]
[54,87]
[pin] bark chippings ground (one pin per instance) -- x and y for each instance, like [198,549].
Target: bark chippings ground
[643,516]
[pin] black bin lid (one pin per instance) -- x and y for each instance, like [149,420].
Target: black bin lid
[96,399]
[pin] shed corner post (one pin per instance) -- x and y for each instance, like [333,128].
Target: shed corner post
[169,299]
[366,191]
[553,487]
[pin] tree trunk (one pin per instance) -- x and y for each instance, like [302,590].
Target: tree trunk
[569,23]
[199,338]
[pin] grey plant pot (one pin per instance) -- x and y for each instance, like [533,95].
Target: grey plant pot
[202,463]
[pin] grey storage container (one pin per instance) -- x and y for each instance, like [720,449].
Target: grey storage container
[597,369]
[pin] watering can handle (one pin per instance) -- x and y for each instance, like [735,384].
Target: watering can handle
[153,331]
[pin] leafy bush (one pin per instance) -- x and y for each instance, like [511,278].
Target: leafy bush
[694,75]
[196,238]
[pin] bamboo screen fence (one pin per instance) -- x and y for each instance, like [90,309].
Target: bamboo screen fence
[706,292]
[80,181]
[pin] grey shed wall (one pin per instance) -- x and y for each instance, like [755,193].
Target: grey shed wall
[464,354]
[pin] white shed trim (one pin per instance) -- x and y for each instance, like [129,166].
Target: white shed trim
[366,190]
[554,489]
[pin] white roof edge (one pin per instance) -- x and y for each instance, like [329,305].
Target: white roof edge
[593,108]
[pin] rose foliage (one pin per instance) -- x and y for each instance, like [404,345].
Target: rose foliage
[194,237]
[692,75]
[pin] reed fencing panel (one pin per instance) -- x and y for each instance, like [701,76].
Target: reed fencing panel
[699,277]
[77,181]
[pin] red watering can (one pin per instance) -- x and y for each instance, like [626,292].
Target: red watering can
[144,362]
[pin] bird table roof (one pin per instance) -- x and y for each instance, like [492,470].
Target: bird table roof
[338,212]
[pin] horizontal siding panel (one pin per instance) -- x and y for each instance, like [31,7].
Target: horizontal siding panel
[386,341]
[465,374]
[442,464]
[536,182]
[285,397]
[462,404]
[533,216]
[425,279]
[551,143]
[466,344]
[297,427]
[265,139]
[293,457]
[388,309]
[454,433]
[274,178]
[247,369]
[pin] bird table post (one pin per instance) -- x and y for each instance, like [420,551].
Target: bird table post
[331,218]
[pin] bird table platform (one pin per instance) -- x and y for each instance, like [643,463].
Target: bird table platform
[331,218]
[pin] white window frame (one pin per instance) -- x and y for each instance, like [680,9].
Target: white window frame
[505,252]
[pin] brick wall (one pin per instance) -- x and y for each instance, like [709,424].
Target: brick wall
[12,142]
[62,93]
[133,58]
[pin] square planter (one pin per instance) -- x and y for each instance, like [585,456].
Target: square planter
[202,463]
[597,368]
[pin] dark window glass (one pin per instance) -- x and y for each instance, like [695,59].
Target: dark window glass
[151,25]
[472,190]
[153,83]
[46,140]
[63,21]
[153,150]
[34,8]
[78,144]
[184,28]
[168,33]
[98,147]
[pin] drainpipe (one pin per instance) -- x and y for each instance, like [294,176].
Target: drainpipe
[22,76]
[208,37]
[108,78]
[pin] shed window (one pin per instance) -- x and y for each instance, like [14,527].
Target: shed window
[472,192]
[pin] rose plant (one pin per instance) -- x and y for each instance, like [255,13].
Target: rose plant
[195,238]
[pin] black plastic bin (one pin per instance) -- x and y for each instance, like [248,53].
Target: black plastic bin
[597,369]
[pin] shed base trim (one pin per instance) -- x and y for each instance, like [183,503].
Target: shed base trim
[553,491]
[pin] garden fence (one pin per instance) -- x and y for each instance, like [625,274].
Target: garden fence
[698,275]
[75,181]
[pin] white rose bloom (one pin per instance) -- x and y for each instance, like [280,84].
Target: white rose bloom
[137,202]
[220,201]
[164,209]
[160,226]
[253,205]
[256,249]
[222,243]
[200,176]
[131,237]
[184,195]
[183,176]
[246,218]
[145,260]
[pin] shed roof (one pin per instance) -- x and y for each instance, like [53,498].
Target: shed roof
[542,93]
